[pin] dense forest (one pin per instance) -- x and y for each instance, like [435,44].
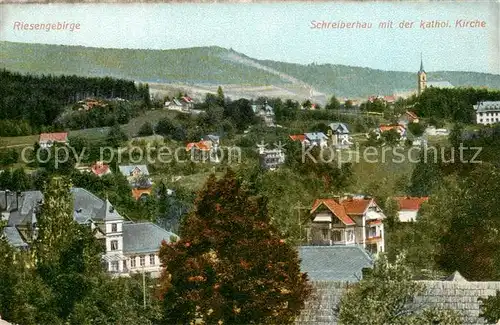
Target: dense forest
[32,103]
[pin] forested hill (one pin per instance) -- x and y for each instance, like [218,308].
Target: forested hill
[219,66]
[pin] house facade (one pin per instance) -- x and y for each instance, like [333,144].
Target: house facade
[340,134]
[128,247]
[347,221]
[409,207]
[316,139]
[265,112]
[138,178]
[47,140]
[487,112]
[206,149]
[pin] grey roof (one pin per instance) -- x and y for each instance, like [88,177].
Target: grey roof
[334,263]
[144,237]
[14,238]
[212,137]
[461,296]
[487,106]
[439,84]
[338,127]
[315,136]
[86,206]
[110,214]
[127,170]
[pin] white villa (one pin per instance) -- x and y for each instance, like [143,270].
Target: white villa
[128,247]
[487,112]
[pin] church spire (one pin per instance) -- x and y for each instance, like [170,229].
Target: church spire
[421,63]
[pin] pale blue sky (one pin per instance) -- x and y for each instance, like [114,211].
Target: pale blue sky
[279,31]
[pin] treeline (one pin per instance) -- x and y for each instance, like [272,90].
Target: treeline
[453,104]
[31,103]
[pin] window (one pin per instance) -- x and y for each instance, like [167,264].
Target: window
[114,227]
[142,260]
[152,259]
[324,232]
[350,235]
[336,235]
[372,232]
[114,245]
[132,261]
[124,265]
[114,266]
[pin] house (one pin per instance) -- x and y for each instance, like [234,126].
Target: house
[187,102]
[47,140]
[334,263]
[347,221]
[100,169]
[454,293]
[389,99]
[487,112]
[139,180]
[129,247]
[409,207]
[265,112]
[400,129]
[340,134]
[298,137]
[207,148]
[316,139]
[407,118]
[270,158]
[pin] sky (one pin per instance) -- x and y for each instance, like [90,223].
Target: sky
[280,31]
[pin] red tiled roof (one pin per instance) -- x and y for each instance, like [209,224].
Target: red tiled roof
[201,145]
[355,206]
[298,137]
[384,128]
[374,222]
[54,137]
[337,209]
[99,168]
[410,203]
[390,99]
[412,115]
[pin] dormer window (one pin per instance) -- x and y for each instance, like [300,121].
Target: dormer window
[111,209]
[79,210]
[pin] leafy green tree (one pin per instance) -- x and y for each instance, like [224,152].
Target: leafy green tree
[20,180]
[385,296]
[348,104]
[490,308]
[391,137]
[6,182]
[165,127]
[116,136]
[220,97]
[417,129]
[426,175]
[146,130]
[333,104]
[231,265]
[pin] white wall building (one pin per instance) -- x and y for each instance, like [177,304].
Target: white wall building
[487,112]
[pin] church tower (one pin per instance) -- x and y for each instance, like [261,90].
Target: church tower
[422,77]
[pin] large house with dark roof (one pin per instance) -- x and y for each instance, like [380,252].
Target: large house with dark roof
[487,112]
[129,247]
[347,221]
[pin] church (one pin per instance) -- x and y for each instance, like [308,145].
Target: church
[423,83]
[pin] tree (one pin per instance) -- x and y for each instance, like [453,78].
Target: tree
[333,104]
[220,97]
[20,180]
[116,136]
[146,130]
[165,127]
[385,296]
[348,104]
[490,308]
[231,265]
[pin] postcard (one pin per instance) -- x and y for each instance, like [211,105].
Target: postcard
[305,162]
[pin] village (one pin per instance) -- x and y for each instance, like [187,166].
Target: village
[344,224]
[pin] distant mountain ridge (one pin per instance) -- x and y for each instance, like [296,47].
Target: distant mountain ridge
[219,66]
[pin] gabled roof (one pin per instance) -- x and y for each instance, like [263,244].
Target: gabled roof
[356,206]
[298,137]
[110,214]
[176,102]
[410,203]
[412,115]
[200,145]
[127,170]
[397,127]
[339,127]
[53,137]
[14,238]
[144,237]
[100,168]
[335,208]
[334,263]
[487,106]
[314,136]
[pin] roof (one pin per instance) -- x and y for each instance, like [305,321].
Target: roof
[144,237]
[390,99]
[410,203]
[54,137]
[315,136]
[334,263]
[298,137]
[385,128]
[356,206]
[461,296]
[412,115]
[335,208]
[110,214]
[200,145]
[487,106]
[14,238]
[86,206]
[339,127]
[127,170]
[212,137]
[100,168]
